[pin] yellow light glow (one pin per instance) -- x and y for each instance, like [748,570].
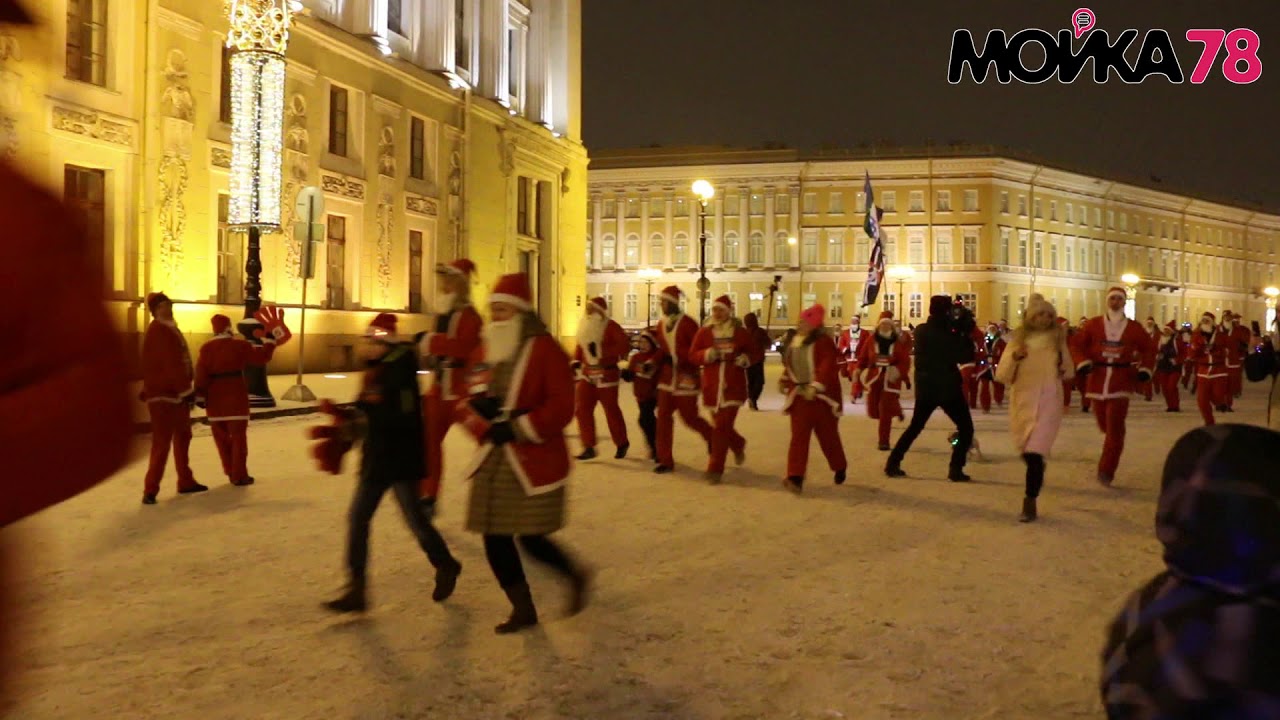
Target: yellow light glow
[703,190]
[1271,292]
[649,273]
[791,241]
[1130,279]
[258,25]
[900,272]
[257,138]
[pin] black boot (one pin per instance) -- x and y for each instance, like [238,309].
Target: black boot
[622,451]
[956,474]
[148,498]
[587,454]
[194,487]
[352,599]
[580,586]
[839,477]
[794,483]
[446,580]
[663,469]
[523,613]
[1028,510]
[893,468]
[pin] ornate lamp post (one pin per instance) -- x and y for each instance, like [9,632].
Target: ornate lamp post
[704,191]
[258,37]
[901,273]
[1272,293]
[1131,281]
[649,275]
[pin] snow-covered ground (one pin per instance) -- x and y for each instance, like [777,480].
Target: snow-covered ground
[907,598]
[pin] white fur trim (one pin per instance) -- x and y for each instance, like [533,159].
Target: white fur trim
[227,418]
[669,298]
[526,427]
[721,306]
[510,300]
[1121,293]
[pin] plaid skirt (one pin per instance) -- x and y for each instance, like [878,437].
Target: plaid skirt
[500,506]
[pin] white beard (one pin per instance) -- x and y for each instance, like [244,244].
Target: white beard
[591,330]
[502,339]
[723,330]
[1206,328]
[444,302]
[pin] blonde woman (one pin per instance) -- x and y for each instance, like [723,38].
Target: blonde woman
[1034,366]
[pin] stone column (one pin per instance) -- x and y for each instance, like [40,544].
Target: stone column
[670,230]
[538,89]
[644,229]
[744,223]
[620,246]
[715,256]
[694,209]
[368,17]
[794,192]
[597,234]
[435,34]
[491,76]
[770,222]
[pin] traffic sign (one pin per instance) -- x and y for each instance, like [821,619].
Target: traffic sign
[310,205]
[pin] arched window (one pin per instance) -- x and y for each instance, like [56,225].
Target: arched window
[631,251]
[608,252]
[781,250]
[657,250]
[755,249]
[681,251]
[730,248]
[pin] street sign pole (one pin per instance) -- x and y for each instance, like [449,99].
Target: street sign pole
[311,206]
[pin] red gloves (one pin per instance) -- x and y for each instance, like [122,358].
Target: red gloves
[273,327]
[335,439]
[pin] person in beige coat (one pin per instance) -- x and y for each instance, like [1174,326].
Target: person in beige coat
[1034,367]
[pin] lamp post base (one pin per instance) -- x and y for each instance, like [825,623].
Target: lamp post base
[255,376]
[299,393]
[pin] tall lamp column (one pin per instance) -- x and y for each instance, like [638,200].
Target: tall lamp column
[1131,282]
[649,275]
[704,191]
[1272,293]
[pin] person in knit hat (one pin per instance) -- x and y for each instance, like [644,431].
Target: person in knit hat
[1117,356]
[521,401]
[940,352]
[1209,349]
[678,379]
[1202,638]
[642,373]
[723,348]
[886,362]
[760,343]
[444,351]
[602,344]
[810,385]
[167,375]
[1169,359]
[387,420]
[221,389]
[1037,368]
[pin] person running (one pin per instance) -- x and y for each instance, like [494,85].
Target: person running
[1209,348]
[1169,359]
[886,362]
[678,379]
[759,349]
[642,373]
[722,347]
[602,344]
[810,385]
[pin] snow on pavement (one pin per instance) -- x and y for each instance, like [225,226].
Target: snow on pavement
[906,598]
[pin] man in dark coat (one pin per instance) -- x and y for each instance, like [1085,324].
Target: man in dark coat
[388,418]
[759,347]
[940,349]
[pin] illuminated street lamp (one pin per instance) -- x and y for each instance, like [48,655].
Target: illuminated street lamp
[1272,293]
[649,275]
[258,38]
[703,191]
[1131,281]
[901,273]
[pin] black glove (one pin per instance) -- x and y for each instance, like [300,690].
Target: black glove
[1144,375]
[647,367]
[486,406]
[591,348]
[1084,369]
[628,376]
[501,433]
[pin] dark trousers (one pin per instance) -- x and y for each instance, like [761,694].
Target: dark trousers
[649,424]
[504,559]
[954,404]
[365,503]
[1035,473]
[755,382]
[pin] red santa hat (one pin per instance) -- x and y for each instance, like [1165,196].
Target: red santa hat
[221,324]
[814,315]
[886,316]
[1168,329]
[1209,315]
[514,290]
[154,299]
[1172,325]
[724,302]
[648,334]
[382,326]
[600,304]
[461,267]
[670,293]
[1117,291]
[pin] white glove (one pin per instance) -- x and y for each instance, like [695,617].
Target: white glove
[742,361]
[713,355]
[892,374]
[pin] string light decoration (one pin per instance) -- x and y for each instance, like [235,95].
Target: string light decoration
[258,37]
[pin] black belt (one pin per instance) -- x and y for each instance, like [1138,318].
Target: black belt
[1116,365]
[220,376]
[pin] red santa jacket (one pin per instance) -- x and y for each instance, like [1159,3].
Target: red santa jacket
[64,401]
[166,364]
[847,349]
[1237,344]
[821,353]
[979,362]
[1170,354]
[601,369]
[644,371]
[1116,358]
[995,351]
[539,405]
[875,363]
[1209,353]
[220,375]
[678,374]
[450,348]
[724,382]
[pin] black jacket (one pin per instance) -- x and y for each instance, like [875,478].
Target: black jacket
[392,408]
[939,353]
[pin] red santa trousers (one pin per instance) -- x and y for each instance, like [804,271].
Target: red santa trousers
[998,391]
[1188,372]
[585,398]
[814,417]
[1211,392]
[437,415]
[882,405]
[1146,389]
[1082,385]
[724,438]
[1067,387]
[170,425]
[1110,414]
[1169,388]
[668,405]
[232,439]
[969,380]
[984,393]
[1235,385]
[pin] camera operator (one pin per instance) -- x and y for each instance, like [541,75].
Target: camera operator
[942,344]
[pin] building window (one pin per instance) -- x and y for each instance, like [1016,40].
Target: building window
[890,200]
[835,203]
[1151,227]
[1053,256]
[681,251]
[633,208]
[1022,205]
[1004,246]
[971,201]
[808,300]
[835,247]
[417,148]
[522,206]
[780,305]
[942,249]
[631,251]
[755,250]
[969,300]
[224,86]
[915,305]
[915,249]
[335,264]
[730,204]
[608,252]
[891,302]
[338,120]
[1068,256]
[1039,208]
[84,190]
[835,301]
[781,250]
[657,251]
[1039,251]
[87,41]
[415,271]
[731,248]
[1071,214]
[1004,202]
[1053,211]
[1124,222]
[1097,217]
[462,37]
[861,251]
[1111,219]
[1097,263]
[810,203]
[757,204]
[629,304]
[890,247]
[970,247]
[230,257]
[395,16]
[782,204]
[917,201]
[810,248]
[1004,308]
[517,54]
[944,201]
[1022,249]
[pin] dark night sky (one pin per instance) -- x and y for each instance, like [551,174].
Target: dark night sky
[809,72]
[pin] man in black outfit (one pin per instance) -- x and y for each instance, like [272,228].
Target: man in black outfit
[940,349]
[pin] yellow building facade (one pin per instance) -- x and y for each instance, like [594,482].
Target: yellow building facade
[967,222]
[435,129]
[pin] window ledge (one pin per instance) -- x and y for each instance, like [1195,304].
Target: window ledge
[351,167]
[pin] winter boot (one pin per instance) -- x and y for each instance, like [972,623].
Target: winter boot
[148,498]
[246,480]
[712,477]
[446,580]
[893,468]
[352,599]
[580,586]
[194,487]
[754,406]
[956,474]
[740,455]
[839,477]
[883,447]
[1028,510]
[587,454]
[794,483]
[1105,479]
[622,451]
[663,469]
[523,613]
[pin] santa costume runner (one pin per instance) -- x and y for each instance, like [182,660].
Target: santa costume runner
[722,348]
[885,362]
[678,379]
[811,386]
[602,344]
